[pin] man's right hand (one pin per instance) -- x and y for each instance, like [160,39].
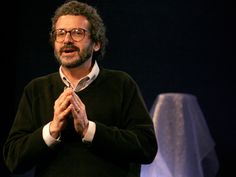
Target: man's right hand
[62,108]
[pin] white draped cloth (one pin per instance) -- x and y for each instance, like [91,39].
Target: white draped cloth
[185,145]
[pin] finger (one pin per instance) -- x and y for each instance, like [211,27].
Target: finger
[75,104]
[66,92]
[77,100]
[65,96]
[62,111]
[65,112]
[75,112]
[80,122]
[65,103]
[58,122]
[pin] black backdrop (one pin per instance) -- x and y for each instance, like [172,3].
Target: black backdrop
[165,45]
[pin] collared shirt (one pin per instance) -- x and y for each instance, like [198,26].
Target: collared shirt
[82,84]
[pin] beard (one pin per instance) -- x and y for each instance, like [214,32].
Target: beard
[84,55]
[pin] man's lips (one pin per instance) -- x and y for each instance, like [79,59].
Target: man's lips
[69,53]
[68,50]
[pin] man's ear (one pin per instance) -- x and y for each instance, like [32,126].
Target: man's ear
[96,46]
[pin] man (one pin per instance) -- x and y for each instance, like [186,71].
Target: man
[84,120]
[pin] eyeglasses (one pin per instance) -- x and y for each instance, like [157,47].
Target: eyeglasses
[77,34]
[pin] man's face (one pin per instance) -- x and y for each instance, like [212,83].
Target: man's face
[73,45]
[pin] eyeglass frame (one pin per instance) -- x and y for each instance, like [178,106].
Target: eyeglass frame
[54,33]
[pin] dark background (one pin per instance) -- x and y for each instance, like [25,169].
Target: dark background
[165,45]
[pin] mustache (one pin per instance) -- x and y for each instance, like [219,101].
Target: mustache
[69,47]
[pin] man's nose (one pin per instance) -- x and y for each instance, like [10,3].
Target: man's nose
[68,38]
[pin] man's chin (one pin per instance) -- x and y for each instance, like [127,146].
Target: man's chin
[70,65]
[73,64]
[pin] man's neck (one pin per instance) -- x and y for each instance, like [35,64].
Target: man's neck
[75,74]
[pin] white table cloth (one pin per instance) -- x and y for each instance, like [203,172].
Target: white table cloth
[186,148]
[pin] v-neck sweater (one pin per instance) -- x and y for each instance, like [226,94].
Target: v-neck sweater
[124,137]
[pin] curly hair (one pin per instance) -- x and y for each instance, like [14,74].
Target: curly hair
[97,27]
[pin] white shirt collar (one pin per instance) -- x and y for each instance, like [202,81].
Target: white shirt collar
[83,82]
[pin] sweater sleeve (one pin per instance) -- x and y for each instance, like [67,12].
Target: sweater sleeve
[135,140]
[24,145]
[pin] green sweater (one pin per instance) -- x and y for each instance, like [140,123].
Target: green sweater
[124,137]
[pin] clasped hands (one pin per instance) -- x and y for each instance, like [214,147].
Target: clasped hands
[69,103]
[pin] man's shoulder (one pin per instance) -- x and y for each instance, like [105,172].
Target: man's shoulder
[113,76]
[115,73]
[44,79]
[47,77]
